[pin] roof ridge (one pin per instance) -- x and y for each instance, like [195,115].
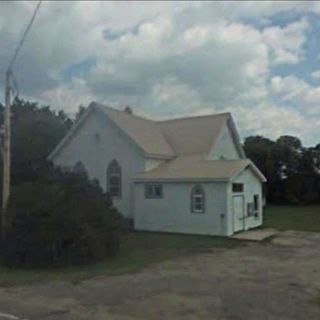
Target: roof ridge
[140,122]
[195,117]
[161,121]
[123,112]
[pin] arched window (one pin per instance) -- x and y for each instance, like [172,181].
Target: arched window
[114,179]
[197,199]
[79,168]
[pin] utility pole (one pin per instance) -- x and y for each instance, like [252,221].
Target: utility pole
[6,130]
[6,154]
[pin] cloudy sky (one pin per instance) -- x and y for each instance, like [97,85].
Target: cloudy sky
[259,60]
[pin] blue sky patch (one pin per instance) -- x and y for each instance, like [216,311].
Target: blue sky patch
[78,70]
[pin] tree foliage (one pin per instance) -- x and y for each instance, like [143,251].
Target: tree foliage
[292,170]
[61,218]
[35,131]
[56,217]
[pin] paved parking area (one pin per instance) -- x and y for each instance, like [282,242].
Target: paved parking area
[279,279]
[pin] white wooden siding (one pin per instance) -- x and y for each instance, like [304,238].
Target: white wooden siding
[172,213]
[95,144]
[224,147]
[252,186]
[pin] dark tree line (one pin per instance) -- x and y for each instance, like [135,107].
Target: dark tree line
[292,170]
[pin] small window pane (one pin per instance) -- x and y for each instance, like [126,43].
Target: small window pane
[114,179]
[157,191]
[256,202]
[114,191]
[250,207]
[197,190]
[237,187]
[197,200]
[256,205]
[153,191]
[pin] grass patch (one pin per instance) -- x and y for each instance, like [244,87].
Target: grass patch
[138,250]
[304,218]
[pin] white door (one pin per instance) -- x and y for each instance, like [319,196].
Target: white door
[238,213]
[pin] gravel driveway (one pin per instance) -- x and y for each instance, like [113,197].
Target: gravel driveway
[279,279]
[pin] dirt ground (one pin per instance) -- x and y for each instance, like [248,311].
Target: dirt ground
[279,279]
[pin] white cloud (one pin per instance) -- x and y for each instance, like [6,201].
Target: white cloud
[289,88]
[316,74]
[222,62]
[295,90]
[166,58]
[71,95]
[286,43]
[274,120]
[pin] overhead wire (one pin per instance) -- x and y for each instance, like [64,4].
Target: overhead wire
[12,77]
[24,36]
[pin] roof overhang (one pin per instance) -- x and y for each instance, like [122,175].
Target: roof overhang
[70,133]
[236,136]
[178,180]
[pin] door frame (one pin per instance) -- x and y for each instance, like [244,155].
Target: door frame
[244,213]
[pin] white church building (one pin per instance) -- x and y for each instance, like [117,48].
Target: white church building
[186,175]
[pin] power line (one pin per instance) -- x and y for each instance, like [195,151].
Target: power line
[24,36]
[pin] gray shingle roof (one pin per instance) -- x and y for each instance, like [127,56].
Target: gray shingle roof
[146,133]
[184,136]
[195,135]
[196,167]
[185,141]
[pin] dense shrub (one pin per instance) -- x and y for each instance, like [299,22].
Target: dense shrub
[60,218]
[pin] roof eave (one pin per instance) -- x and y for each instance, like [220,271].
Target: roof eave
[70,133]
[180,179]
[255,169]
[236,136]
[160,156]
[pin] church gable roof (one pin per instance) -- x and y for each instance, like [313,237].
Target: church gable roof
[161,139]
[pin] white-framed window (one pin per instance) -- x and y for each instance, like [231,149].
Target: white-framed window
[237,187]
[153,191]
[197,199]
[114,179]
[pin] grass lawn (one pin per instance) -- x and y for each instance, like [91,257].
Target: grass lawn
[138,250]
[293,218]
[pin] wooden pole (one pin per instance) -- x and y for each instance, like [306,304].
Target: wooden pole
[6,149]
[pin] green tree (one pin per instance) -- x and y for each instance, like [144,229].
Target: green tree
[61,218]
[293,171]
[36,130]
